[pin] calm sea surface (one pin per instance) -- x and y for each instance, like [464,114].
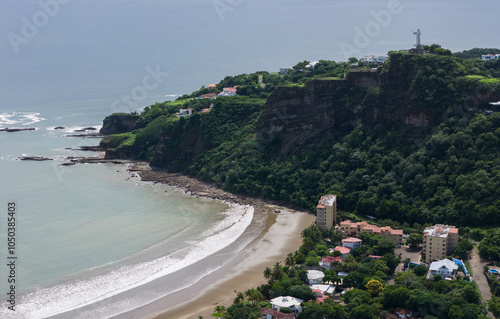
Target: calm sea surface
[91,240]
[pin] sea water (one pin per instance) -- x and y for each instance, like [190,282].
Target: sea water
[91,240]
[89,236]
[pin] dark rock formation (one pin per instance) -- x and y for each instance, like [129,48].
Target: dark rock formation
[119,123]
[34,158]
[16,129]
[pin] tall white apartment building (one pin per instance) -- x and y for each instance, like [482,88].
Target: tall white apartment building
[439,242]
[326,211]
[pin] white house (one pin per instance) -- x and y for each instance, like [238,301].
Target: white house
[186,112]
[403,313]
[312,64]
[324,288]
[490,57]
[445,268]
[284,71]
[373,59]
[288,302]
[369,59]
[381,58]
[352,242]
[228,92]
[315,276]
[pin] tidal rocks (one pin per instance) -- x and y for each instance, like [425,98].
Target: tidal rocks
[34,158]
[16,129]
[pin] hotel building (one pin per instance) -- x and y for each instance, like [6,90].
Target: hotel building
[326,211]
[439,242]
[348,228]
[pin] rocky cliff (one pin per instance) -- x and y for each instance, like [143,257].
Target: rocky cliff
[119,123]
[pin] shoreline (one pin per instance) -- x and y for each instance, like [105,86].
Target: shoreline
[280,235]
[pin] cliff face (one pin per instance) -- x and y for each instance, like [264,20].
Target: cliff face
[176,149]
[119,123]
[303,116]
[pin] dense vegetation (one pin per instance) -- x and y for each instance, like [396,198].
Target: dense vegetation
[371,297]
[447,173]
[475,53]
[450,175]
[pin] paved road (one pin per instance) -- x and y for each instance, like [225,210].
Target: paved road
[476,265]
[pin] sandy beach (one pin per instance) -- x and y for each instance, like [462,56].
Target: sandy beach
[280,236]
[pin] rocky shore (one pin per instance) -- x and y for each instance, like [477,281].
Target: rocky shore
[198,188]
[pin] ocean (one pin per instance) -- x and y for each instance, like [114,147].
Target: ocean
[93,241]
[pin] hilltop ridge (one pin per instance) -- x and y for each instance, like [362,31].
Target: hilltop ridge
[400,141]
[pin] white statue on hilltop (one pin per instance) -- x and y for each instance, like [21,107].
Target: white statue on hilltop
[418,33]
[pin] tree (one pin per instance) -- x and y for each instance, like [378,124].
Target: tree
[420,270]
[463,248]
[415,239]
[277,272]
[253,295]
[471,294]
[290,260]
[394,296]
[362,312]
[494,306]
[456,312]
[239,297]
[356,297]
[220,310]
[384,246]
[352,60]
[268,273]
[323,311]
[354,279]
[241,310]
[302,292]
[374,287]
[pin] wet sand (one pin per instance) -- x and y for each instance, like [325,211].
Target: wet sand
[279,237]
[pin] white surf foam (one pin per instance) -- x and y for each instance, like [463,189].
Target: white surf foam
[20,118]
[59,299]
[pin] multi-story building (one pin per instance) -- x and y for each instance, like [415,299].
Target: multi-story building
[352,242]
[490,57]
[439,241]
[348,228]
[326,211]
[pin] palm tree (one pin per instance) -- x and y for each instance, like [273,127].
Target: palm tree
[292,272]
[277,272]
[239,297]
[290,260]
[253,295]
[220,310]
[268,273]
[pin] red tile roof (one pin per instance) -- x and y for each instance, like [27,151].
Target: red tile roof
[276,313]
[330,259]
[343,250]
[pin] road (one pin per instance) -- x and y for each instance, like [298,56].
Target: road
[477,265]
